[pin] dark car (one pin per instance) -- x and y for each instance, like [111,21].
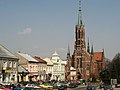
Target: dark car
[90,87]
[62,87]
[72,85]
[107,87]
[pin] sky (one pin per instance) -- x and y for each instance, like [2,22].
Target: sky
[41,27]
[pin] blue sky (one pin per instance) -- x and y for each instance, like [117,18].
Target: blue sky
[40,27]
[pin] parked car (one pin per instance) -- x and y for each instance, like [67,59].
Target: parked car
[46,86]
[33,88]
[27,88]
[72,85]
[30,85]
[108,87]
[7,86]
[60,86]
[90,87]
[3,88]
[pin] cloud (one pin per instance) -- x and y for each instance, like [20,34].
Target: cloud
[25,31]
[62,49]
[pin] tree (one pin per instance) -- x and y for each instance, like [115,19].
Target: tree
[114,67]
[105,76]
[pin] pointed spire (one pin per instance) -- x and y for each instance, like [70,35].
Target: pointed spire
[68,53]
[103,53]
[103,50]
[88,47]
[80,14]
[92,51]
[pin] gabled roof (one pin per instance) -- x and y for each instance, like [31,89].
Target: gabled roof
[28,57]
[22,69]
[49,62]
[98,56]
[39,59]
[4,52]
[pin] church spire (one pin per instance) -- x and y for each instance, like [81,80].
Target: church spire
[68,53]
[88,47]
[80,14]
[92,51]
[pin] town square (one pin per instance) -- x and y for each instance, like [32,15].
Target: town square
[59,45]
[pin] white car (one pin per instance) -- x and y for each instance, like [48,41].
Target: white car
[30,85]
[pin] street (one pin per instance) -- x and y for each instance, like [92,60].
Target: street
[78,88]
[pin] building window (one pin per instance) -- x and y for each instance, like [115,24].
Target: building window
[9,64]
[14,65]
[33,68]
[36,68]
[30,68]
[4,65]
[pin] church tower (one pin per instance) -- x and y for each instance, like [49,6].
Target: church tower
[83,64]
[79,46]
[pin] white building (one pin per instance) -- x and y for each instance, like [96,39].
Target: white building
[58,67]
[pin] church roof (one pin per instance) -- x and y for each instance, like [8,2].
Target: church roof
[4,52]
[98,56]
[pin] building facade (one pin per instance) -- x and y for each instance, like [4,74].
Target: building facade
[30,64]
[49,69]
[22,74]
[58,67]
[8,66]
[42,69]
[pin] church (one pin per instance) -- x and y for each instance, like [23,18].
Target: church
[84,63]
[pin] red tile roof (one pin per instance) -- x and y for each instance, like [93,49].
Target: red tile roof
[39,59]
[98,56]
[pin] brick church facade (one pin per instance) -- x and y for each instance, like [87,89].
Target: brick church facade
[83,64]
